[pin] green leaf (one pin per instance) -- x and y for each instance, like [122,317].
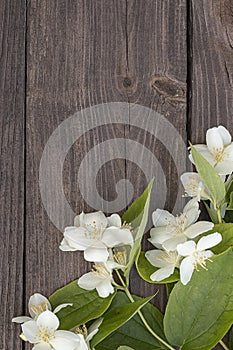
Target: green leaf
[87,305]
[145,270]
[115,318]
[230,205]
[229,188]
[123,347]
[133,333]
[199,314]
[210,177]
[229,216]
[135,211]
[136,248]
[212,214]
[226,231]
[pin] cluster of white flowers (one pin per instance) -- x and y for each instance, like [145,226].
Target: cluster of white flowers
[41,329]
[176,237]
[173,238]
[105,241]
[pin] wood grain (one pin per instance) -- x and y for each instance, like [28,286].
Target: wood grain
[210,68]
[158,54]
[12,98]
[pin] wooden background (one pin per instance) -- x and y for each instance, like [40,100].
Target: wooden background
[60,56]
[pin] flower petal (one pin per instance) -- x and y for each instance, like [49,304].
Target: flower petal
[158,258]
[60,307]
[76,237]
[186,248]
[213,139]
[225,135]
[95,221]
[114,236]
[48,319]
[30,331]
[97,254]
[162,273]
[90,280]
[62,343]
[161,234]
[162,217]
[198,228]
[209,241]
[105,288]
[186,270]
[171,243]
[42,346]
[37,304]
[21,319]
[114,220]
[225,167]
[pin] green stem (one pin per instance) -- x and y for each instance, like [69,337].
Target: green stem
[223,345]
[219,215]
[127,292]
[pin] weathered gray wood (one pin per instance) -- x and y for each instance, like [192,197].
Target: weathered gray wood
[12,96]
[75,52]
[210,67]
[157,68]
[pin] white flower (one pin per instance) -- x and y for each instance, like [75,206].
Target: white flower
[193,186]
[167,261]
[94,233]
[36,305]
[169,230]
[44,334]
[99,278]
[219,150]
[195,254]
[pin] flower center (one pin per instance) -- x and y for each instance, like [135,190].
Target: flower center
[219,155]
[93,231]
[38,309]
[200,259]
[101,270]
[45,334]
[120,256]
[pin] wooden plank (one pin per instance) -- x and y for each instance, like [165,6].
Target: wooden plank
[157,62]
[76,53]
[210,73]
[12,96]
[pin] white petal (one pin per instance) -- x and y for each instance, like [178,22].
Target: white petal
[186,270]
[38,300]
[186,248]
[42,346]
[209,241]
[21,319]
[90,280]
[60,307]
[191,183]
[214,139]
[96,254]
[105,288]
[76,237]
[158,258]
[66,247]
[61,344]
[48,319]
[30,331]
[225,135]
[161,234]
[225,167]
[203,149]
[198,228]
[172,243]
[162,217]
[95,221]
[67,335]
[162,273]
[114,236]
[114,220]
